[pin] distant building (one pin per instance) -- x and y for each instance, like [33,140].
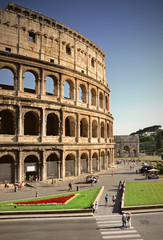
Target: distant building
[126,146]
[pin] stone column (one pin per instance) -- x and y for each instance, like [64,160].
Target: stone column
[44,166]
[59,168]
[105,132]
[99,161]
[76,97]
[78,127]
[78,163]
[20,81]
[63,165]
[43,125]
[99,130]
[90,129]
[20,125]
[97,99]
[75,54]
[20,167]
[61,88]
[88,95]
[90,162]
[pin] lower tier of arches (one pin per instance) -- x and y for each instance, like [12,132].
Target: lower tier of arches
[17,165]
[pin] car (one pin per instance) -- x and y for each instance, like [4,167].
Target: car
[145,168]
[91,178]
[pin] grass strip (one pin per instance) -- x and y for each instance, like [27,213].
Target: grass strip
[81,201]
[143,193]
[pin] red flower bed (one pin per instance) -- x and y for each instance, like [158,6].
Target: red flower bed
[57,200]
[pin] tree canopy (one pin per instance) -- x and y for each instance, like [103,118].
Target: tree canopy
[151,129]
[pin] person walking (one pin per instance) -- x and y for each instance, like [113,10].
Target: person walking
[129,220]
[113,199]
[106,200]
[96,207]
[124,219]
[70,186]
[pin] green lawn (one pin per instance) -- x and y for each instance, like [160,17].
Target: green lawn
[81,201]
[143,193]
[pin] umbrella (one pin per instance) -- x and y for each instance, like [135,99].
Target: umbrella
[153,170]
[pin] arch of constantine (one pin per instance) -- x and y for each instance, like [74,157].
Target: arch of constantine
[55,120]
[126,146]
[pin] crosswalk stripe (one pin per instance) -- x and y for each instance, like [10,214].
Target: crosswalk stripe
[108,221]
[108,225]
[122,236]
[119,232]
[113,229]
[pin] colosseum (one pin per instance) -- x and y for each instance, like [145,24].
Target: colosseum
[55,120]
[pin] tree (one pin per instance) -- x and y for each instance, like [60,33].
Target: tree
[159,140]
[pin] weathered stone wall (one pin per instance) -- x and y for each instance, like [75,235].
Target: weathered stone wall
[38,128]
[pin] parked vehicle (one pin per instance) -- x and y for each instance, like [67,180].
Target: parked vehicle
[91,178]
[145,168]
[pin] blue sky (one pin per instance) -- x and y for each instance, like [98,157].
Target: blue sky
[130,32]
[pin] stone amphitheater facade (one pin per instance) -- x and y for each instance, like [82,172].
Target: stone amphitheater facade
[44,132]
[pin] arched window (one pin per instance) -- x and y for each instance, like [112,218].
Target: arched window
[68,49]
[101,100]
[84,163]
[6,79]
[31,123]
[69,89]
[6,169]
[52,166]
[93,62]
[29,82]
[108,130]
[83,128]
[106,102]
[102,129]
[7,122]
[93,97]
[102,160]
[51,86]
[69,127]
[70,165]
[94,129]
[82,93]
[52,126]
[31,167]
[94,162]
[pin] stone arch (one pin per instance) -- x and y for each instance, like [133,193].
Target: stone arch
[94,129]
[52,166]
[31,123]
[7,122]
[70,165]
[69,126]
[102,160]
[7,78]
[52,125]
[102,130]
[83,128]
[101,100]
[95,162]
[106,103]
[93,97]
[126,150]
[30,81]
[84,163]
[31,167]
[108,130]
[82,93]
[69,89]
[7,169]
[108,158]
[51,85]
[134,153]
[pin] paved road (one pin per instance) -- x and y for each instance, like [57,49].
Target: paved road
[144,226]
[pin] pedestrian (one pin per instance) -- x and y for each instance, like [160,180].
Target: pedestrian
[124,219]
[129,220]
[113,199]
[70,186]
[15,187]
[106,200]
[96,206]
[20,186]
[36,194]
